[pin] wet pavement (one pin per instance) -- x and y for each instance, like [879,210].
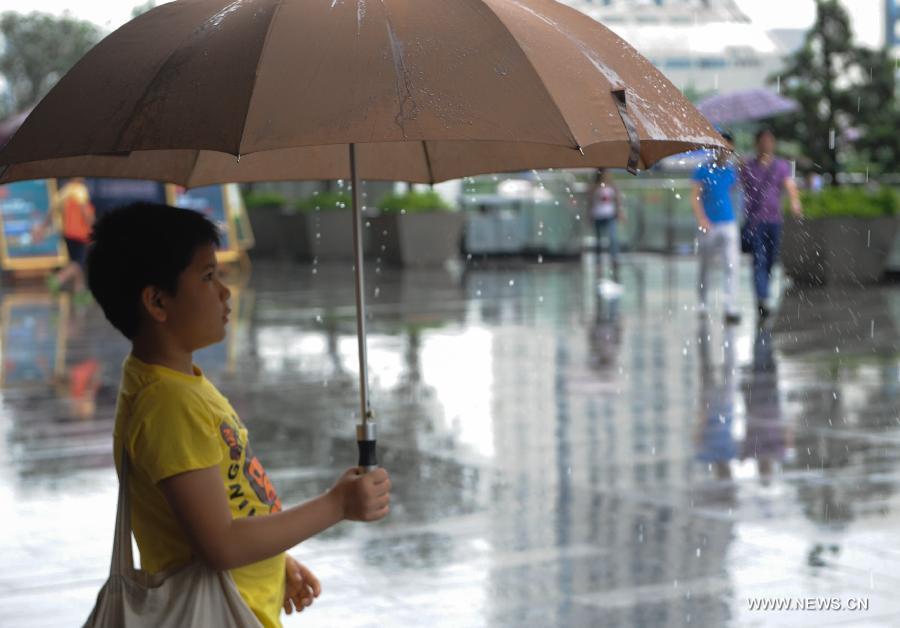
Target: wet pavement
[562,455]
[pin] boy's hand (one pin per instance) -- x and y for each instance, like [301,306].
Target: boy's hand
[363,497]
[300,586]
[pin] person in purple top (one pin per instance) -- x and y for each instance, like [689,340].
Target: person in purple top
[765,178]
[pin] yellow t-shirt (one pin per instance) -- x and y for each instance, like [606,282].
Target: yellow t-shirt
[174,422]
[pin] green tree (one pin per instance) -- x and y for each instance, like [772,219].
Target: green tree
[38,49]
[142,8]
[826,78]
[877,115]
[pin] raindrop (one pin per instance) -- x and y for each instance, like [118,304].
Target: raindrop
[512,282]
[319,318]
[831,139]
[377,291]
[540,259]
[478,293]
[778,88]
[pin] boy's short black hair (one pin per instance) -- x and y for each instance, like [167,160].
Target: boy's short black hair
[143,244]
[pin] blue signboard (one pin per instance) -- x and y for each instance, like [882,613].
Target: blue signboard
[34,332]
[24,208]
[108,194]
[211,202]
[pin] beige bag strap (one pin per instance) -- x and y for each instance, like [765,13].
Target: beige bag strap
[122,558]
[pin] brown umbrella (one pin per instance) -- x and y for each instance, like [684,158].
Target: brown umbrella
[198,92]
[10,125]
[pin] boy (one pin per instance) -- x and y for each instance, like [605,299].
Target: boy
[720,236]
[197,490]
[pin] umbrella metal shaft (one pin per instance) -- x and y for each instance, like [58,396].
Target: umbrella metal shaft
[365,431]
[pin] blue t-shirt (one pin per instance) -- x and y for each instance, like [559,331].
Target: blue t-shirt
[716,182]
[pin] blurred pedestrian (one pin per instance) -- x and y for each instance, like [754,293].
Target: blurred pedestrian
[73,202]
[765,178]
[719,238]
[714,439]
[606,211]
[766,438]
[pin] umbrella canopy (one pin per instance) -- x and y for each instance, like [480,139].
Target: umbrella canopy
[429,90]
[745,106]
[198,92]
[10,125]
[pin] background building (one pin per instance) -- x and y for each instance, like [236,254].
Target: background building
[701,45]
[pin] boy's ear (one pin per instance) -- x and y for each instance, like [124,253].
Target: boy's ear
[154,303]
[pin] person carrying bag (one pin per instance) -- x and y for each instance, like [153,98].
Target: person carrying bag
[187,595]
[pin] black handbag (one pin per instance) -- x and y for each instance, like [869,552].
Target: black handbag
[747,229]
[746,237]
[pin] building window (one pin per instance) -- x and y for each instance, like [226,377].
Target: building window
[713,62]
[678,62]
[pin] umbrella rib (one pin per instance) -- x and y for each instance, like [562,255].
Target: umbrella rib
[262,54]
[190,178]
[575,143]
[140,100]
[428,161]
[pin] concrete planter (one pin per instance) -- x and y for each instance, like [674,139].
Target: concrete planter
[418,238]
[327,235]
[837,250]
[270,232]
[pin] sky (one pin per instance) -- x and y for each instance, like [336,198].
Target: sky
[111,14]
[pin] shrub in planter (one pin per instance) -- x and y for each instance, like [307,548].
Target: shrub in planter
[264,200]
[266,213]
[416,229]
[325,201]
[845,236]
[325,227]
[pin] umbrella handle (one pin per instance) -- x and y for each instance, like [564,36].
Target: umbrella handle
[365,440]
[365,431]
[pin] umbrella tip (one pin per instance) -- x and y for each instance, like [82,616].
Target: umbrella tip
[239,158]
[579,149]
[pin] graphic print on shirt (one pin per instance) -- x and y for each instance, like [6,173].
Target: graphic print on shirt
[254,475]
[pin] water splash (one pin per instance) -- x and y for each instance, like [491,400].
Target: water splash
[408,106]
[216,19]
[360,14]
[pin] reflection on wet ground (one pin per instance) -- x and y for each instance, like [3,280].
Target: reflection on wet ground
[561,456]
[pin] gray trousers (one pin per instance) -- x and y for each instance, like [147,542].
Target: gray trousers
[720,247]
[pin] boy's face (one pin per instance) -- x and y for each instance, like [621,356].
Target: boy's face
[198,312]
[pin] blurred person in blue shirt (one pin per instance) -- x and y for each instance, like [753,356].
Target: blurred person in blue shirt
[711,200]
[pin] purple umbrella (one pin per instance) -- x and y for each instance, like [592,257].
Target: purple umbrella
[745,105]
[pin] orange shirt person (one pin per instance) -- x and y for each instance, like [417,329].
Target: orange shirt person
[74,204]
[77,218]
